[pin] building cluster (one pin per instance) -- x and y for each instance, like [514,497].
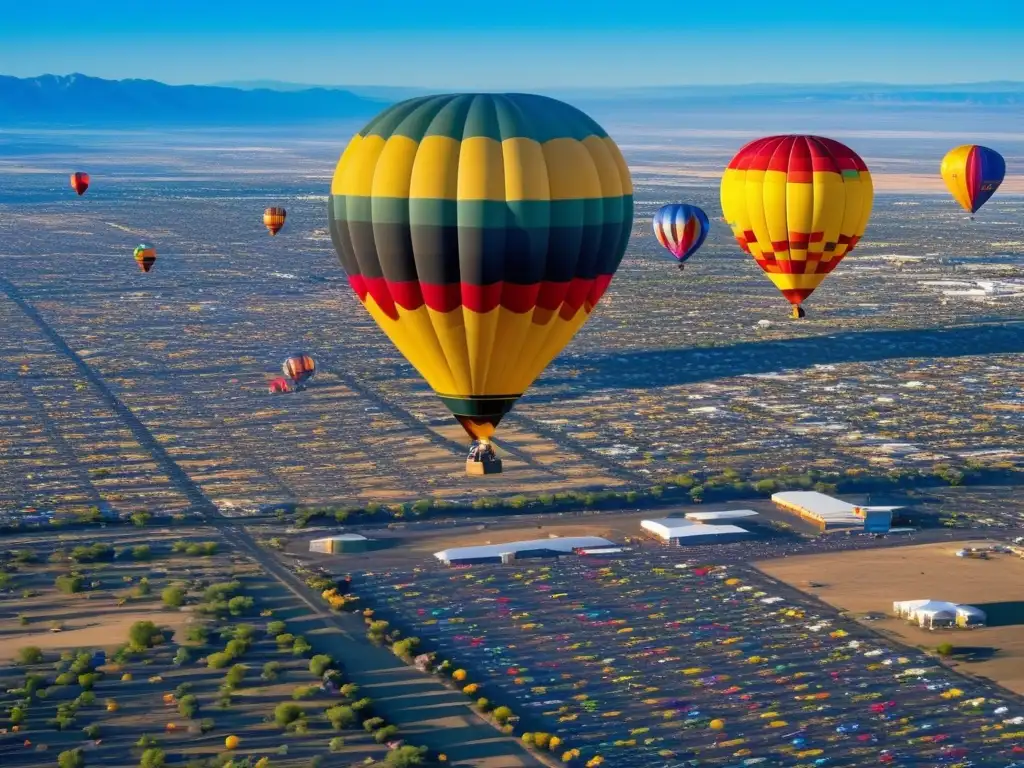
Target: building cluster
[939,614]
[831,514]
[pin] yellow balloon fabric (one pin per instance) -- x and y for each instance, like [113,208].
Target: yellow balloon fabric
[798,205]
[479,231]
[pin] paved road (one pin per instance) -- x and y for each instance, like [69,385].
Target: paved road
[428,713]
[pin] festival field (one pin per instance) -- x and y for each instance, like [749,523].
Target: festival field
[868,583]
[649,660]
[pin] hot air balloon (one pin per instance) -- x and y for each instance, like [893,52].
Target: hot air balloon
[681,229]
[479,231]
[278,386]
[973,174]
[273,219]
[798,205]
[299,368]
[145,255]
[79,182]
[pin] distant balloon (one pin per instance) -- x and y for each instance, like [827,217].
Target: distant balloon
[278,385]
[681,229]
[273,219]
[79,182]
[972,173]
[798,205]
[299,368]
[479,231]
[145,256]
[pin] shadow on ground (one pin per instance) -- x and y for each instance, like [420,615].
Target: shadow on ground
[676,367]
[1005,614]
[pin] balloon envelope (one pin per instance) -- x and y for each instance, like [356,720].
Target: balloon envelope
[681,229]
[145,256]
[479,231]
[973,174]
[80,182]
[273,219]
[798,205]
[299,368]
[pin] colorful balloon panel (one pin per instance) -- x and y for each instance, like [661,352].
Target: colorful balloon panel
[681,229]
[299,368]
[973,174]
[479,230]
[273,219]
[798,205]
[80,182]
[145,256]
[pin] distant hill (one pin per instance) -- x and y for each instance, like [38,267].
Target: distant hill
[386,92]
[82,100]
[69,100]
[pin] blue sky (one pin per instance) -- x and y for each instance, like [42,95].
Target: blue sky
[525,44]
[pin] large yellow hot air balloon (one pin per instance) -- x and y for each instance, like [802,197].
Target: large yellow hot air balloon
[479,231]
[798,205]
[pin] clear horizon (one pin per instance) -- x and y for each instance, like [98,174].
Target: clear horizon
[532,45]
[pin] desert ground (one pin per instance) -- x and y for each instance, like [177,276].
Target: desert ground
[854,583]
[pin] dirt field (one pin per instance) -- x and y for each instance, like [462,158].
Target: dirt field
[869,582]
[106,630]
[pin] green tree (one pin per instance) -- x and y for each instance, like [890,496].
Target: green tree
[235,675]
[141,518]
[271,671]
[276,628]
[142,552]
[320,664]
[502,714]
[341,717]
[173,596]
[287,713]
[153,758]
[69,583]
[71,758]
[143,635]
[405,757]
[218,660]
[188,706]
[30,654]
[337,744]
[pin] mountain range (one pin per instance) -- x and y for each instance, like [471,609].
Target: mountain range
[69,100]
[81,100]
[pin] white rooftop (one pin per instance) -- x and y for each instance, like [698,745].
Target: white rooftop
[556,544]
[729,514]
[827,507]
[344,537]
[680,528]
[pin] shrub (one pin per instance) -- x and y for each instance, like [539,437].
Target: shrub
[371,724]
[284,640]
[143,635]
[196,634]
[182,656]
[30,654]
[69,583]
[387,733]
[218,660]
[483,704]
[72,758]
[341,717]
[91,731]
[188,706]
[349,690]
[276,628]
[502,714]
[235,675]
[405,757]
[287,713]
[271,671]
[173,596]
[301,646]
[404,649]
[320,664]
[88,680]
[945,649]
[153,758]
[337,744]
[305,692]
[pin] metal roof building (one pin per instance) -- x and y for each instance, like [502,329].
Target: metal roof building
[729,514]
[685,533]
[343,542]
[830,513]
[491,553]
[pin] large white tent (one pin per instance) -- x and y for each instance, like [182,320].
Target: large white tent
[938,613]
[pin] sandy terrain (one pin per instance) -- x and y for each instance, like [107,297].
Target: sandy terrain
[869,582]
[106,631]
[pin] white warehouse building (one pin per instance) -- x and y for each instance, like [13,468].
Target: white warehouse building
[680,532]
